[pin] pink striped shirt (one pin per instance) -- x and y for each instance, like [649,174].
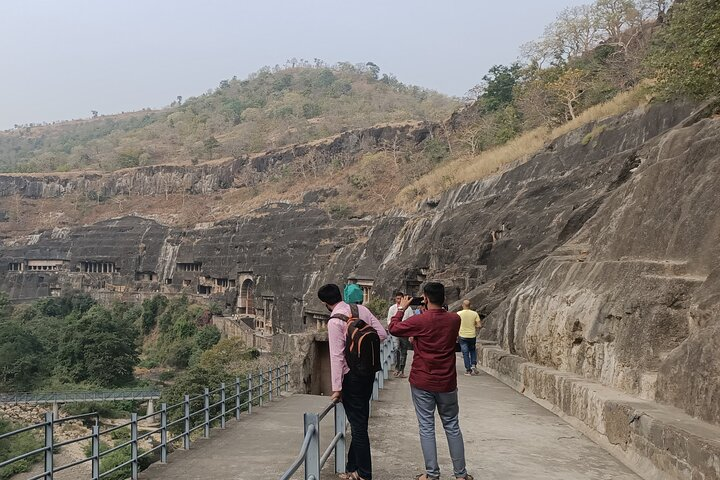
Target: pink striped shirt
[336,338]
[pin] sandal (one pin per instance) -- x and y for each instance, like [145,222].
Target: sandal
[350,476]
[466,477]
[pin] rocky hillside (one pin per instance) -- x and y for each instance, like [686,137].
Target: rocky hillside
[276,107]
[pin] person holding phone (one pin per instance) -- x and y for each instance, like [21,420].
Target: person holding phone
[433,376]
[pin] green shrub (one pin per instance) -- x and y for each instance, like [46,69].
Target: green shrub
[379,307]
[436,150]
[17,445]
[207,337]
[339,211]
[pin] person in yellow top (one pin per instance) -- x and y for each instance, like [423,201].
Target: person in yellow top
[469,323]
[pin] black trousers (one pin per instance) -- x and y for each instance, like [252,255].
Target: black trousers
[356,394]
[401,354]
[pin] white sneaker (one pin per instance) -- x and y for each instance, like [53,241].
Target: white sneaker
[474,371]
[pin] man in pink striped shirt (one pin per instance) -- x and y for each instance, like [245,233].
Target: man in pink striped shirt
[352,389]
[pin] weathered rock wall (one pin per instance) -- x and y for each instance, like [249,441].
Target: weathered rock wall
[631,299]
[211,177]
[280,249]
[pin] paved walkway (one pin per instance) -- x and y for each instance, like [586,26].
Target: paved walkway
[259,446]
[507,437]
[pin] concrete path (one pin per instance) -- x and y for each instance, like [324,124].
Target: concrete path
[507,437]
[259,446]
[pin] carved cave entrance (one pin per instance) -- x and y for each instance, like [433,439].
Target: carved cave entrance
[245,299]
[319,382]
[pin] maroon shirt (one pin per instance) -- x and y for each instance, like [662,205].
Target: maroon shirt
[435,333]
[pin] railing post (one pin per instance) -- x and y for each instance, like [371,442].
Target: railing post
[163,433]
[134,445]
[312,459]
[340,420]
[250,392]
[278,382]
[206,409]
[186,433]
[222,405]
[375,391]
[237,398]
[262,384]
[49,445]
[381,379]
[95,462]
[270,387]
[385,369]
[287,377]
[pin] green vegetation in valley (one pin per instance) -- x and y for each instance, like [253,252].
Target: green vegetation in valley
[223,363]
[74,342]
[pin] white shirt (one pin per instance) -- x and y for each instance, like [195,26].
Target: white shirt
[393,310]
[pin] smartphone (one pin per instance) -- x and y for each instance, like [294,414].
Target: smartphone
[416,301]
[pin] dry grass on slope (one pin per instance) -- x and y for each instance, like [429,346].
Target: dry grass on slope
[469,168]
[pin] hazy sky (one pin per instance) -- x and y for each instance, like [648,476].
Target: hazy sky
[63,58]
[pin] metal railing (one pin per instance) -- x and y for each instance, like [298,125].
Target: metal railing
[310,450]
[177,423]
[72,397]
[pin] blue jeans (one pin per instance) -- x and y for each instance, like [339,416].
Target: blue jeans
[467,347]
[447,406]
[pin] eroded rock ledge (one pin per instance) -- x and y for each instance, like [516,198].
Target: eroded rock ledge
[213,176]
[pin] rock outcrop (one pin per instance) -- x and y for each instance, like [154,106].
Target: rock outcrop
[215,176]
[631,299]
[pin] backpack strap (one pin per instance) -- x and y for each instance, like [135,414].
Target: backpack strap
[340,316]
[354,311]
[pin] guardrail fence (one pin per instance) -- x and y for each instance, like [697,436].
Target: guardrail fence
[310,450]
[174,424]
[78,397]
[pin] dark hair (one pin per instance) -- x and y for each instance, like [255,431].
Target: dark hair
[398,293]
[330,294]
[435,292]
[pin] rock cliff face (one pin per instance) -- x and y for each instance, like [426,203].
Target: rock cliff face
[598,256]
[632,298]
[211,177]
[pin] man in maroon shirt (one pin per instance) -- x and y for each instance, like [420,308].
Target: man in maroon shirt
[433,376]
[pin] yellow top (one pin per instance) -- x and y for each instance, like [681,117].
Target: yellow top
[469,319]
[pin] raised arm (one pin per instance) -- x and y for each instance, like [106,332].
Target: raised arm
[413,326]
[336,341]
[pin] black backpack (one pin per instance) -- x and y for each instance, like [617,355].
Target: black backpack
[362,344]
